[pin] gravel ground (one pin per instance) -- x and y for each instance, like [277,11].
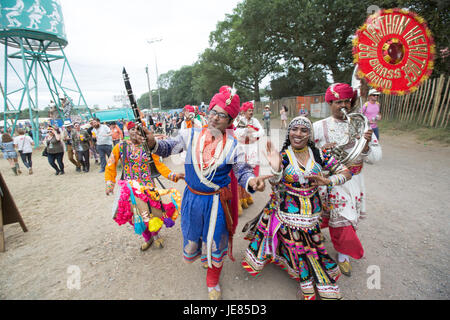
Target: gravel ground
[405,237]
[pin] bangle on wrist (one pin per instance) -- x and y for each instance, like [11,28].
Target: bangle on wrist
[336,180]
[276,173]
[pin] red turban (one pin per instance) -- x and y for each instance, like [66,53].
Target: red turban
[225,100]
[130,125]
[340,91]
[246,106]
[189,108]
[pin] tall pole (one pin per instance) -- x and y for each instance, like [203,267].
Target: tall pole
[156,68]
[157,82]
[149,90]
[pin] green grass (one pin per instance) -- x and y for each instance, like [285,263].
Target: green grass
[423,133]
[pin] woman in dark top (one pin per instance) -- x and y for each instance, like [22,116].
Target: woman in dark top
[55,150]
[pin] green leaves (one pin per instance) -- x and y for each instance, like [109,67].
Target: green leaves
[302,45]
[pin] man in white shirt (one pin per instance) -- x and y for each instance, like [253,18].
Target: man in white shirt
[24,145]
[104,141]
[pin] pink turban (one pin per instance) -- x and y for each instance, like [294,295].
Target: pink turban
[340,91]
[189,108]
[246,106]
[130,125]
[227,102]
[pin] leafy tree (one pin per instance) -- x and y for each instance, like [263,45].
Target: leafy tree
[310,33]
[296,83]
[242,51]
[208,77]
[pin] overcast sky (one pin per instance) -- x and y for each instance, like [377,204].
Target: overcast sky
[106,35]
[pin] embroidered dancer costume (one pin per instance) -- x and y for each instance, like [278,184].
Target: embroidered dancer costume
[214,165]
[347,202]
[248,130]
[137,178]
[288,232]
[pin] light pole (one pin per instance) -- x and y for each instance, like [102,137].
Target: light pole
[149,90]
[154,40]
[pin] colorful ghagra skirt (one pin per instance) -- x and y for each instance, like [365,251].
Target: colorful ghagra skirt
[301,253]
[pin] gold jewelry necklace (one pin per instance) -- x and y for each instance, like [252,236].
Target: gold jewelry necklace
[302,150]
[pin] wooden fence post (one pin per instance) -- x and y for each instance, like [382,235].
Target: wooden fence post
[405,107]
[424,100]
[442,105]
[430,102]
[437,100]
[446,115]
[385,107]
[417,95]
[399,108]
[394,106]
[411,105]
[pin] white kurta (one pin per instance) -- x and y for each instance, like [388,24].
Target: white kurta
[195,123]
[243,130]
[348,201]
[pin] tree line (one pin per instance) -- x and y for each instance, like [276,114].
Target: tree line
[301,45]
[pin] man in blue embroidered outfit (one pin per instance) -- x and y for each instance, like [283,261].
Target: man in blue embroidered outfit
[209,210]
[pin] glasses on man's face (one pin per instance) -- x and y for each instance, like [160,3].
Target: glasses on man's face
[221,115]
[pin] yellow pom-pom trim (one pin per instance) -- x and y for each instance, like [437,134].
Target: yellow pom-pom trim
[155,224]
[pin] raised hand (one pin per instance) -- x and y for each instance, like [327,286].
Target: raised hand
[273,156]
[150,137]
[368,135]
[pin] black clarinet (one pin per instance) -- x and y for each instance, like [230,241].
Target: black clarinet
[154,173]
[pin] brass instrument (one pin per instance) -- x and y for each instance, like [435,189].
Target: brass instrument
[358,124]
[242,123]
[189,116]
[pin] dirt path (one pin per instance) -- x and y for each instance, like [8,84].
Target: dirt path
[406,238]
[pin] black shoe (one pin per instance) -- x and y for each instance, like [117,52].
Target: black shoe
[57,173]
[61,172]
[78,169]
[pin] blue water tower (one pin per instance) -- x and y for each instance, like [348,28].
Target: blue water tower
[34,38]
